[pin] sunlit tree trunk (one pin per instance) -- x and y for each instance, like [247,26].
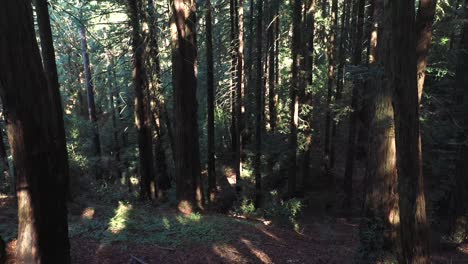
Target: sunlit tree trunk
[240,90]
[41,189]
[187,160]
[294,95]
[210,104]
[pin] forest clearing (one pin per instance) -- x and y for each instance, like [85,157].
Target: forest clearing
[233,131]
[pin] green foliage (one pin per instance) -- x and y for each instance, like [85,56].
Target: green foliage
[137,224]
[372,243]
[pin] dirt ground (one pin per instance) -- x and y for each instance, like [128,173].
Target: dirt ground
[321,239]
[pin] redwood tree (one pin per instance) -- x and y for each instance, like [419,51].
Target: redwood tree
[41,188]
[403,77]
[184,52]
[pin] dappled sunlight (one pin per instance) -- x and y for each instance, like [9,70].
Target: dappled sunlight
[88,213]
[229,253]
[262,256]
[121,217]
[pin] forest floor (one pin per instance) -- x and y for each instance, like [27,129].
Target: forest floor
[108,230]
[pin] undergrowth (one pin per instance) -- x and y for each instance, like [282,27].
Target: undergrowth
[140,225]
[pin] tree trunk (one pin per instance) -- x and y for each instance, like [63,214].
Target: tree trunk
[309,30]
[240,91]
[142,120]
[294,95]
[381,201]
[50,68]
[351,150]
[258,108]
[340,75]
[271,66]
[403,77]
[233,98]
[91,105]
[187,160]
[41,188]
[115,130]
[424,20]
[210,105]
[331,82]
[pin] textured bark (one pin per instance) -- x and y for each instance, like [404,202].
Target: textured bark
[309,30]
[331,81]
[233,70]
[272,99]
[356,61]
[50,68]
[340,75]
[424,20]
[381,201]
[142,119]
[91,104]
[240,91]
[294,95]
[403,77]
[115,130]
[210,104]
[41,189]
[258,107]
[187,160]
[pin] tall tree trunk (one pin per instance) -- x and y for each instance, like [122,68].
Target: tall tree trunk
[331,82]
[340,75]
[142,120]
[381,201]
[240,91]
[91,105]
[210,104]
[233,70]
[271,66]
[258,108]
[424,20]
[460,193]
[187,160]
[41,188]
[357,85]
[115,130]
[294,95]
[403,74]
[50,68]
[309,30]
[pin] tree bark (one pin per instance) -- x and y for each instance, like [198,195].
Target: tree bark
[240,91]
[41,189]
[403,77]
[258,108]
[210,105]
[142,119]
[187,160]
[331,82]
[381,195]
[91,104]
[50,68]
[357,85]
[294,95]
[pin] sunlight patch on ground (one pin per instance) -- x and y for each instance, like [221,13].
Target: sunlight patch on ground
[262,256]
[119,221]
[88,213]
[229,253]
